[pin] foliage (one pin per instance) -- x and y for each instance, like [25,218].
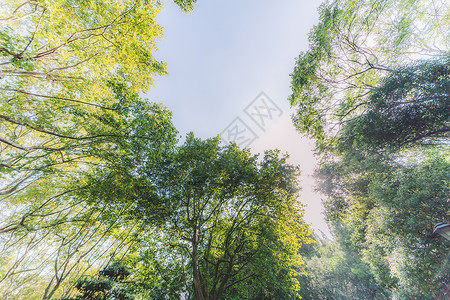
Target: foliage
[411,106]
[70,72]
[335,270]
[391,207]
[185,5]
[234,225]
[372,91]
[63,65]
[355,45]
[410,199]
[56,220]
[110,283]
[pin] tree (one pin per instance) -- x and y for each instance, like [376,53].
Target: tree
[334,269]
[355,45]
[233,226]
[390,207]
[372,90]
[410,198]
[112,282]
[70,72]
[62,63]
[59,60]
[55,221]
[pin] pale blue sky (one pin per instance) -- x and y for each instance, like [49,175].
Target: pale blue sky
[221,56]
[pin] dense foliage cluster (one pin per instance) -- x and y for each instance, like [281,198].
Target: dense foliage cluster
[373,91]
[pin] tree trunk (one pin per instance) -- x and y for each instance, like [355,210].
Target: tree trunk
[199,292]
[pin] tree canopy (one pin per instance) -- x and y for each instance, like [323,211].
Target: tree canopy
[234,225]
[65,66]
[373,91]
[70,118]
[355,45]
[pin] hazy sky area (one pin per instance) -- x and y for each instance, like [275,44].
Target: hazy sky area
[220,57]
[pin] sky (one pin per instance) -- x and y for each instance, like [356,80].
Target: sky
[229,64]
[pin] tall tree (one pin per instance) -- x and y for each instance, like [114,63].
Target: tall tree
[70,72]
[234,225]
[409,199]
[372,90]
